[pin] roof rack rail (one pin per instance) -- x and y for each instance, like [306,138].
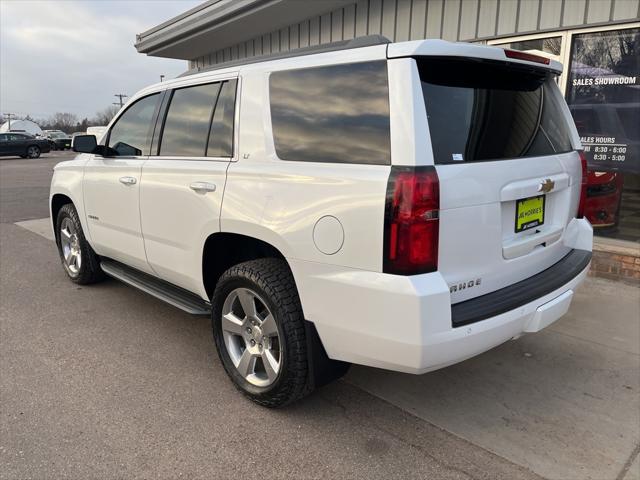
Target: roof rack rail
[358,42]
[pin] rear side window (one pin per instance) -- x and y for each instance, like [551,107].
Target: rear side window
[221,136]
[485,111]
[336,114]
[131,134]
[186,127]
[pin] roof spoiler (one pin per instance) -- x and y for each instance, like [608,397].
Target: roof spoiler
[419,48]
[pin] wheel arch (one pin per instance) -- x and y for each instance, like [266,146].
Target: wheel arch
[58,200]
[61,196]
[237,248]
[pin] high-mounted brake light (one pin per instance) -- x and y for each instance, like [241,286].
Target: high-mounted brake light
[411,221]
[583,185]
[529,57]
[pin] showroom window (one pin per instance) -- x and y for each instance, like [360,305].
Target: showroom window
[603,93]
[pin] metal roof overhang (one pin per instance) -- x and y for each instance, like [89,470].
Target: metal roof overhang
[217,24]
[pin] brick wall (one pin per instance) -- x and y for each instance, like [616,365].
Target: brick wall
[616,262]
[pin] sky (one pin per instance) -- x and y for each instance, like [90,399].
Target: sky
[74,55]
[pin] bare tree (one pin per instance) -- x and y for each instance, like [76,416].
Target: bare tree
[64,121]
[103,117]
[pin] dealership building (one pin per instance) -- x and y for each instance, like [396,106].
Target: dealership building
[598,41]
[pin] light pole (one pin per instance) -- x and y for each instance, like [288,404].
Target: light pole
[9,115]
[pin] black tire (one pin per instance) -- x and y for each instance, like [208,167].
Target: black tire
[33,151]
[89,270]
[271,279]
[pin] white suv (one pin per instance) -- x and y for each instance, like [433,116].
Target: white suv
[399,205]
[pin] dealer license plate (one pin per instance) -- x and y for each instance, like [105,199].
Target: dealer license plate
[529,213]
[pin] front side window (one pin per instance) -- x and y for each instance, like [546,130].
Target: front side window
[4,137]
[186,127]
[486,111]
[335,114]
[131,134]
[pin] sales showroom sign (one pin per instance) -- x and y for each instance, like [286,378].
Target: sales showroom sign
[603,93]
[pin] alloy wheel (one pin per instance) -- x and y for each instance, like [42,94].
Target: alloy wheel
[70,244]
[33,152]
[251,337]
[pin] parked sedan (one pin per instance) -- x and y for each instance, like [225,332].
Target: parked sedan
[23,145]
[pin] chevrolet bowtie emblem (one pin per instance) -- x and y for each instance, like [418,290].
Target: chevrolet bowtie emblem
[546,186]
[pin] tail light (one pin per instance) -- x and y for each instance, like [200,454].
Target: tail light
[583,186]
[411,221]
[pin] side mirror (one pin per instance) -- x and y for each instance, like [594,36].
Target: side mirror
[84,143]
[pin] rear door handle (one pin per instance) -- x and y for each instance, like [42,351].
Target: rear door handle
[128,180]
[203,187]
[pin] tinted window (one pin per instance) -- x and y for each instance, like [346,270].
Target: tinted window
[334,114]
[187,124]
[4,137]
[480,111]
[131,134]
[221,136]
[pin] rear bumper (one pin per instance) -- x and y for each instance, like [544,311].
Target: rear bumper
[521,293]
[406,323]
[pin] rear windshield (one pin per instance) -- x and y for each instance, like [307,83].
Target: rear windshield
[484,111]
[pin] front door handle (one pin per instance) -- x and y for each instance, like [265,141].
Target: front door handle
[128,180]
[203,187]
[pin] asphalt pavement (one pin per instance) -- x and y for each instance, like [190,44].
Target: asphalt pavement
[24,186]
[107,382]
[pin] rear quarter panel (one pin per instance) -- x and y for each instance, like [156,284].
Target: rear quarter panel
[280,201]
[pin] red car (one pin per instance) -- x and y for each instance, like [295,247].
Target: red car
[604,191]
